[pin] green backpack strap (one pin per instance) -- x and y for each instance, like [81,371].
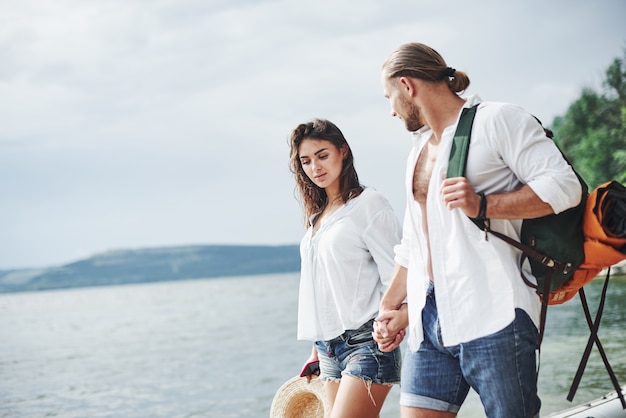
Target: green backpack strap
[460,143]
[459,150]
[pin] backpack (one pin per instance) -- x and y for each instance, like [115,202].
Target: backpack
[566,250]
[553,244]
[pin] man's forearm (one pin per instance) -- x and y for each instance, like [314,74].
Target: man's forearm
[520,204]
[396,292]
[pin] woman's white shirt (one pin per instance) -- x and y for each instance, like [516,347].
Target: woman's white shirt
[346,266]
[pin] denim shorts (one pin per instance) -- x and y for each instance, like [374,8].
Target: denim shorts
[356,353]
[500,367]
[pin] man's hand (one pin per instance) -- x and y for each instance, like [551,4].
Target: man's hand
[457,192]
[389,329]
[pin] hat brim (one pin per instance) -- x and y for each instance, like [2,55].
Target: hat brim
[299,398]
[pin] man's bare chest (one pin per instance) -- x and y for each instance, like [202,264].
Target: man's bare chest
[423,171]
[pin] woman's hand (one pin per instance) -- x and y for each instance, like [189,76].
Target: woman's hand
[390,328]
[311,366]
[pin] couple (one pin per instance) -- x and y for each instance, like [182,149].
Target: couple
[472,321]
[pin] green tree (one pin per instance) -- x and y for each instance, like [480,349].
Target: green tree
[592,133]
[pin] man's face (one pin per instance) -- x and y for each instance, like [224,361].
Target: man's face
[402,106]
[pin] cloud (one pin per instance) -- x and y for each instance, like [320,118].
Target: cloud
[135,123]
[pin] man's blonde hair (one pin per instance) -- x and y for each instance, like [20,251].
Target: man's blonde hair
[424,63]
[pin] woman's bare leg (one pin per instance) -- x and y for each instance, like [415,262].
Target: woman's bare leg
[355,398]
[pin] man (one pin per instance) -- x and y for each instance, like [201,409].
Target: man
[472,320]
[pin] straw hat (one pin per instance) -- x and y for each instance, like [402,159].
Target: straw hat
[297,398]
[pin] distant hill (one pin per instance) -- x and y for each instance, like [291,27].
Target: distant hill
[155,265]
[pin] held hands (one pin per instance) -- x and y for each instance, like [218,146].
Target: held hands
[389,329]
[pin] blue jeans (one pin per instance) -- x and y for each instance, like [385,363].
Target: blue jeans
[355,353]
[500,367]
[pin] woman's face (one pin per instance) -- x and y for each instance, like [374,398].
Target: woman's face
[322,162]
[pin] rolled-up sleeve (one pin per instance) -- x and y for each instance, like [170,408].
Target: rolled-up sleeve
[537,161]
[561,194]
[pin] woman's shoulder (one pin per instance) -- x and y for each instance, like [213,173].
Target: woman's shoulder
[372,198]
[373,212]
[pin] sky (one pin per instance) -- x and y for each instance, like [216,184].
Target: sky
[129,124]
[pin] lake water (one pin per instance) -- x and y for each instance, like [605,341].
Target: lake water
[217,348]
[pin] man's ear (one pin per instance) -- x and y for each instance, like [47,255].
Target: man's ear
[407,85]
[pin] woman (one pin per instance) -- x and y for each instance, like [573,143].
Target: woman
[347,261]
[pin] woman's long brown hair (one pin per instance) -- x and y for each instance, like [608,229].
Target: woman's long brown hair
[314,198]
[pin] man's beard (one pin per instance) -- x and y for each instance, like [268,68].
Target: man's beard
[412,121]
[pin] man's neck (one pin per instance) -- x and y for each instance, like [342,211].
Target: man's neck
[442,110]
